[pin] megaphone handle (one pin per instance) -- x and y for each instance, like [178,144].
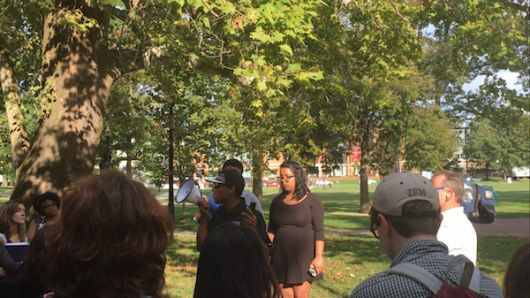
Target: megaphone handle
[203,205]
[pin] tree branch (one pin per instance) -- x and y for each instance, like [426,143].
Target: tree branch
[16,119]
[397,11]
[516,6]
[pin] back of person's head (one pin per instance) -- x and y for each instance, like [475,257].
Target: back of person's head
[41,199]
[517,275]
[232,263]
[454,182]
[233,163]
[33,271]
[300,178]
[409,202]
[110,240]
[6,214]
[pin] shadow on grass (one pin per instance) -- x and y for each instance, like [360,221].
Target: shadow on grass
[355,249]
[494,253]
[183,254]
[349,260]
[340,221]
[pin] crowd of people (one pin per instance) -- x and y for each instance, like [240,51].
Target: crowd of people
[107,237]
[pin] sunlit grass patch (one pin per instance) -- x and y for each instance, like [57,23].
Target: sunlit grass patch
[349,259]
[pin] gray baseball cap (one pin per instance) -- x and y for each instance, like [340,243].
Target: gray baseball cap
[397,189]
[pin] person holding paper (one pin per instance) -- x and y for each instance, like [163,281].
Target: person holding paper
[14,241]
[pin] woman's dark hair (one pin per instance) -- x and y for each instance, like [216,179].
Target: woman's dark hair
[38,201]
[411,226]
[110,240]
[515,284]
[34,277]
[300,178]
[232,263]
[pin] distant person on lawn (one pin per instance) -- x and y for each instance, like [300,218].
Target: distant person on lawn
[405,217]
[456,231]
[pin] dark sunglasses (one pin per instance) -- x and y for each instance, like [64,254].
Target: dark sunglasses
[219,185]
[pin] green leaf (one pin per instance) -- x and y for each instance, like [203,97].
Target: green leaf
[286,48]
[270,93]
[206,22]
[261,86]
[118,3]
[257,103]
[294,67]
[227,8]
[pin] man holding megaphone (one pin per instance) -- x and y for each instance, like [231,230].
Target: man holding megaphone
[227,189]
[247,195]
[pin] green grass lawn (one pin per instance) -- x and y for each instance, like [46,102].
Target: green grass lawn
[345,197]
[349,260]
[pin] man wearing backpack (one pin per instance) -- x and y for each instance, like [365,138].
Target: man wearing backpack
[405,217]
[456,231]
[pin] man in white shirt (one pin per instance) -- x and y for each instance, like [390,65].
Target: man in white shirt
[456,231]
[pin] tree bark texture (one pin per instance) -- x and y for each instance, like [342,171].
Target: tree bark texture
[257,172]
[364,173]
[171,148]
[17,122]
[78,75]
[128,167]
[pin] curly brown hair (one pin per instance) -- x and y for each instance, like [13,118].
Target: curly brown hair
[110,240]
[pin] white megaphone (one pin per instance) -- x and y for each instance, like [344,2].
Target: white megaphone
[189,192]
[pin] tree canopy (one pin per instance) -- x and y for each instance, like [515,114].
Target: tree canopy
[300,77]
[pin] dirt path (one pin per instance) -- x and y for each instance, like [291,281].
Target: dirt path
[500,227]
[505,227]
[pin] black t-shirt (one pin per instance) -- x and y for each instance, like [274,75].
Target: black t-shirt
[235,216]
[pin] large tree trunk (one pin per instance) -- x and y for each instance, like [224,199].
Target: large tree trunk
[257,172]
[365,196]
[128,166]
[78,75]
[15,117]
[171,145]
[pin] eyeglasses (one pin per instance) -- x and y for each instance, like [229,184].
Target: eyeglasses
[374,230]
[443,188]
[286,177]
[49,206]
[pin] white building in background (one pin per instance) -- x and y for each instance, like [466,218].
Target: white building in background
[462,135]
[521,172]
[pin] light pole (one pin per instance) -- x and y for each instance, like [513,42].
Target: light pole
[497,171]
[107,154]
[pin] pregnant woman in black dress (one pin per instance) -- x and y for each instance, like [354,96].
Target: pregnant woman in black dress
[296,226]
